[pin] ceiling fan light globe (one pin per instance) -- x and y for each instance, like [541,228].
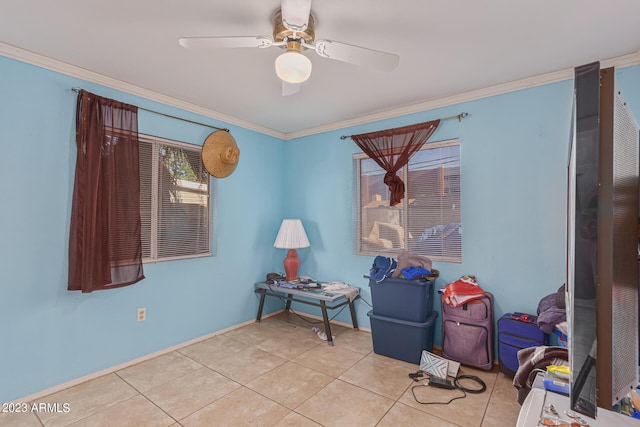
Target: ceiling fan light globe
[293,67]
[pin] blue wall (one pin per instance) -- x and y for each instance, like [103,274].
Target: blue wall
[513,169]
[50,335]
[513,164]
[514,155]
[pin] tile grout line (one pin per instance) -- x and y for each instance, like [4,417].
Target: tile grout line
[166,382]
[337,378]
[185,374]
[395,401]
[154,404]
[291,359]
[101,410]
[140,393]
[245,385]
[39,420]
[486,407]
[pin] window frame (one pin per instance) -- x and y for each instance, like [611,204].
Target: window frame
[403,207]
[156,142]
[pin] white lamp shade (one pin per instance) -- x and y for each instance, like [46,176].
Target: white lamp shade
[293,67]
[291,235]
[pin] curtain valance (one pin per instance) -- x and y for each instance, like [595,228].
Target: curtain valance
[391,149]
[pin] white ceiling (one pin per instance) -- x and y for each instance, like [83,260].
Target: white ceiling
[446,47]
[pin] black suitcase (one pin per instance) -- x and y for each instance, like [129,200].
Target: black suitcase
[467,332]
[515,332]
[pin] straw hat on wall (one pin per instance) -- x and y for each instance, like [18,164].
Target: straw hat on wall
[220,154]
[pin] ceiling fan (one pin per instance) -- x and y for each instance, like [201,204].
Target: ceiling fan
[294,31]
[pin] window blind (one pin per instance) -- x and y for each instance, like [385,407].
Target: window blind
[174,200]
[428,221]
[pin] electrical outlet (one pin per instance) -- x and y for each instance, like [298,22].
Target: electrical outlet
[142,314]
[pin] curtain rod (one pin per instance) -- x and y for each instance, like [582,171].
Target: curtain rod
[459,117]
[77,90]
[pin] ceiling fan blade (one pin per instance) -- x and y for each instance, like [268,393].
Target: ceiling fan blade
[224,42]
[295,14]
[382,61]
[290,88]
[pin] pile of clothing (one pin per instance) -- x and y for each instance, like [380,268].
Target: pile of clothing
[552,314]
[408,266]
[536,359]
[412,266]
[552,311]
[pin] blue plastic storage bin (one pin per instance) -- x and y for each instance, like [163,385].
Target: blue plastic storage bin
[402,299]
[558,338]
[401,339]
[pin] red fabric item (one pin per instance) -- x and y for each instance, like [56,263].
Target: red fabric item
[461,292]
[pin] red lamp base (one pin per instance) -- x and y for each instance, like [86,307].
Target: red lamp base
[291,265]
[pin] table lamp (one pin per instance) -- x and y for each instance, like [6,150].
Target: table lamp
[291,236]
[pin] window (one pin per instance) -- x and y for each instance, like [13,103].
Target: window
[427,221]
[174,200]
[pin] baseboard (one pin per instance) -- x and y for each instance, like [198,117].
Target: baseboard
[94,375]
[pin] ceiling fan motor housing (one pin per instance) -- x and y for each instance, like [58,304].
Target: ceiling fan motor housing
[282,33]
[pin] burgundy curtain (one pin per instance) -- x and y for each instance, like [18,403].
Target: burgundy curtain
[392,149]
[105,249]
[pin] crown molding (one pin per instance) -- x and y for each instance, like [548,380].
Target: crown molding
[71,70]
[81,73]
[529,82]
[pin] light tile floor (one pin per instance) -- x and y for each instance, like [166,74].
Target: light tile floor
[275,373]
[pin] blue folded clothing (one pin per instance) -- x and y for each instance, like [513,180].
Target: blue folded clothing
[412,272]
[382,268]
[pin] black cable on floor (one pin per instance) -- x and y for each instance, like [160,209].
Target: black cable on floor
[434,403]
[483,386]
[456,383]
